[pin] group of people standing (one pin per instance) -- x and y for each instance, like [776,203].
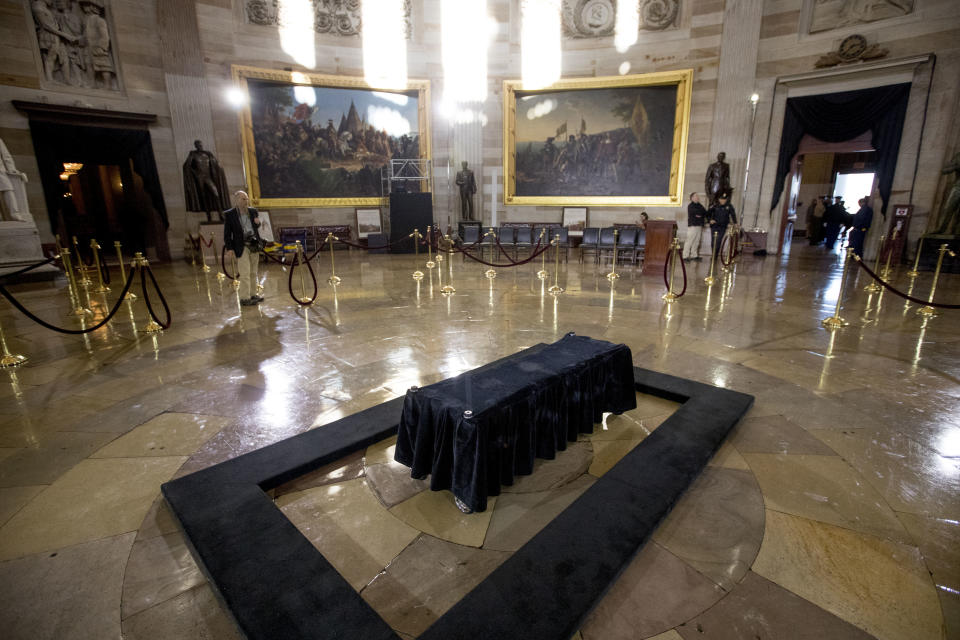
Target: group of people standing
[720,215]
[825,220]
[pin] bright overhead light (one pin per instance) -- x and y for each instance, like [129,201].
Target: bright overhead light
[296,31]
[236,97]
[539,43]
[755,98]
[627,25]
[464,44]
[384,44]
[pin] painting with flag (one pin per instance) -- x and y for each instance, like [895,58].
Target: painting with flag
[632,152]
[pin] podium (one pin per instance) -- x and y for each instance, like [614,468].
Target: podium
[660,235]
[408,211]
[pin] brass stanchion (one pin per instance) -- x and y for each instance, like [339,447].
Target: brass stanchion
[447,289]
[203,254]
[835,321]
[713,260]
[913,273]
[83,280]
[95,247]
[556,289]
[303,290]
[333,279]
[542,274]
[193,254]
[886,265]
[417,274]
[221,276]
[236,281]
[670,296]
[9,359]
[76,306]
[491,273]
[430,263]
[873,287]
[152,326]
[123,276]
[443,236]
[927,310]
[613,275]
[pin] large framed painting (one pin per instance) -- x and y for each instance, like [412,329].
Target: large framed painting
[608,141]
[312,140]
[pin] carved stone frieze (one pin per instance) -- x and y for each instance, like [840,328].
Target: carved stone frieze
[336,17]
[833,14]
[597,18]
[75,43]
[853,48]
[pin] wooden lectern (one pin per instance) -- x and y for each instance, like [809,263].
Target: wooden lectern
[659,237]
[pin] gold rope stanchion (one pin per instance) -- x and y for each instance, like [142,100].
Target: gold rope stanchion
[447,289]
[913,273]
[9,359]
[430,263]
[491,273]
[236,269]
[417,274]
[152,327]
[303,289]
[83,280]
[613,275]
[542,274]
[927,310]
[439,258]
[835,321]
[193,254]
[713,260]
[123,276]
[873,287]
[333,279]
[886,265]
[221,276]
[95,247]
[203,254]
[76,306]
[670,296]
[556,289]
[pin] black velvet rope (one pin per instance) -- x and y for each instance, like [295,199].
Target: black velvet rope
[146,298]
[938,305]
[104,270]
[223,263]
[533,255]
[683,269]
[30,268]
[42,323]
[313,277]
[723,243]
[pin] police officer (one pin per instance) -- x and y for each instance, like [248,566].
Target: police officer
[721,215]
[859,226]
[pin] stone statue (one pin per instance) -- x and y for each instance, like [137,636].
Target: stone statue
[718,178]
[468,187]
[950,209]
[97,37]
[74,41]
[204,182]
[11,185]
[51,38]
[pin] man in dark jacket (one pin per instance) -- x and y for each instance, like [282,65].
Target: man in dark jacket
[859,226]
[696,214]
[833,219]
[241,237]
[720,216]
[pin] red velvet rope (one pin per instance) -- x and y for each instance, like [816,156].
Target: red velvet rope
[223,263]
[668,269]
[534,254]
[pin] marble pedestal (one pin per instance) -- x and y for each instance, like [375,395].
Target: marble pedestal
[20,247]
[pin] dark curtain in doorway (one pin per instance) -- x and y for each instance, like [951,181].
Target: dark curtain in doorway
[838,117]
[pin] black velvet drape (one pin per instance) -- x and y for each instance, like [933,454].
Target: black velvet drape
[837,117]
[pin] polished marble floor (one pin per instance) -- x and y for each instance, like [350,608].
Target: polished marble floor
[832,511]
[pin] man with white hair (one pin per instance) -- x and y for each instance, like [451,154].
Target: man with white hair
[241,237]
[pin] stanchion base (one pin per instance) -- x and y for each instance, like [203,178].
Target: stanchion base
[927,310]
[102,289]
[440,258]
[417,275]
[670,296]
[710,280]
[542,274]
[80,311]
[221,276]
[873,287]
[206,268]
[431,264]
[236,285]
[12,360]
[85,283]
[130,296]
[447,290]
[912,274]
[334,280]
[490,273]
[613,276]
[152,327]
[834,322]
[555,290]
[304,300]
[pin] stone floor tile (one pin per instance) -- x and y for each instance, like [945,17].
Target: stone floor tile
[717,525]
[880,586]
[569,464]
[195,614]
[70,593]
[341,470]
[429,577]
[392,484]
[57,454]
[381,452]
[159,568]
[12,499]
[87,503]
[435,513]
[758,608]
[168,434]
[728,458]
[350,527]
[607,453]
[159,521]
[656,592]
[775,434]
[627,427]
[937,540]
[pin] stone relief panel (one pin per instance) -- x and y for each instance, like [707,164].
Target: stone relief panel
[597,18]
[75,43]
[833,14]
[336,17]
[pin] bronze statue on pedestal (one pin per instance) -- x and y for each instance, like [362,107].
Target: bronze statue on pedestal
[204,182]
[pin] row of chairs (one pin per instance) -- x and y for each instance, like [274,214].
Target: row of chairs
[598,243]
[516,239]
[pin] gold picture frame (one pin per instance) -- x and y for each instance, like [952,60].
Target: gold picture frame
[314,189]
[645,153]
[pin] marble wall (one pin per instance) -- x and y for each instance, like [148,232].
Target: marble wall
[735,47]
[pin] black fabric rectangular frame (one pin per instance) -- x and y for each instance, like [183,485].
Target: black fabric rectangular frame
[277,585]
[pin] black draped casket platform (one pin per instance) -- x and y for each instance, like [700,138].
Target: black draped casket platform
[475,432]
